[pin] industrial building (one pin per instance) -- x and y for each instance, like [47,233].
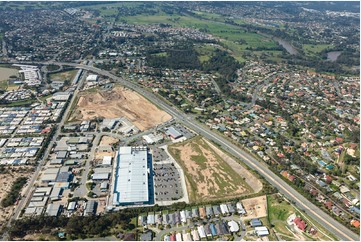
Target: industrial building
[133,180]
[173,133]
[92,78]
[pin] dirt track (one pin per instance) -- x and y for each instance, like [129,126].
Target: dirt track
[119,102]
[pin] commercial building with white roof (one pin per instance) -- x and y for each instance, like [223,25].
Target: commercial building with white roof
[92,78]
[133,180]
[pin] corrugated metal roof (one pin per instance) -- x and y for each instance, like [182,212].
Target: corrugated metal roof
[131,184]
[173,132]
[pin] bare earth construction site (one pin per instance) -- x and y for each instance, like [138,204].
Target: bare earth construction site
[119,102]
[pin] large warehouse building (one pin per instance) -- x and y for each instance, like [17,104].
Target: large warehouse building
[133,180]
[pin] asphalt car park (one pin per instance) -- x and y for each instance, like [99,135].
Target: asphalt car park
[167,182]
[159,154]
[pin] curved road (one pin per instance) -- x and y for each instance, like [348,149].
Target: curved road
[336,228]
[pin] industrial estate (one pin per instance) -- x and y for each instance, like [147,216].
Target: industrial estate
[179,121]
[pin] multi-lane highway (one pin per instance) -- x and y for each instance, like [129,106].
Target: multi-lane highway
[340,231]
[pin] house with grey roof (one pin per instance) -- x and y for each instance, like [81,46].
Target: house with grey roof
[216,210]
[231,208]
[209,211]
[195,213]
[165,219]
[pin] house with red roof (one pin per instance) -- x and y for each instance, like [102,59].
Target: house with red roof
[328,179]
[172,237]
[288,176]
[300,223]
[313,192]
[339,140]
[355,223]
[328,205]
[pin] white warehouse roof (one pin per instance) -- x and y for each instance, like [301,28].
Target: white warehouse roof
[131,179]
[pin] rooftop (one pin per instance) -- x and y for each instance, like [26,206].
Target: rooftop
[131,179]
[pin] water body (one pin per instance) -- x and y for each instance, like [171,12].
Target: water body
[290,49]
[333,55]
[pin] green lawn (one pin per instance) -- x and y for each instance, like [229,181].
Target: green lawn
[3,85]
[222,30]
[205,52]
[161,54]
[210,16]
[315,49]
[279,211]
[19,103]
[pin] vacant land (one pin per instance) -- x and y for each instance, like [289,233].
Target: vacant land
[105,141]
[5,74]
[208,176]
[62,76]
[119,102]
[247,176]
[6,180]
[256,207]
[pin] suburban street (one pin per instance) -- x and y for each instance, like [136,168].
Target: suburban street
[340,231]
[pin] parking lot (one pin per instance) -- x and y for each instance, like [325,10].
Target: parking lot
[159,154]
[167,182]
[184,131]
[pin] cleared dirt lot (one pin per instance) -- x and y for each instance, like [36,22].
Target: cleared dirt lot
[255,207]
[119,102]
[208,176]
[62,76]
[105,141]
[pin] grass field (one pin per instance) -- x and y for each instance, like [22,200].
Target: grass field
[208,177]
[3,84]
[62,76]
[205,52]
[213,23]
[314,49]
[19,103]
[278,212]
